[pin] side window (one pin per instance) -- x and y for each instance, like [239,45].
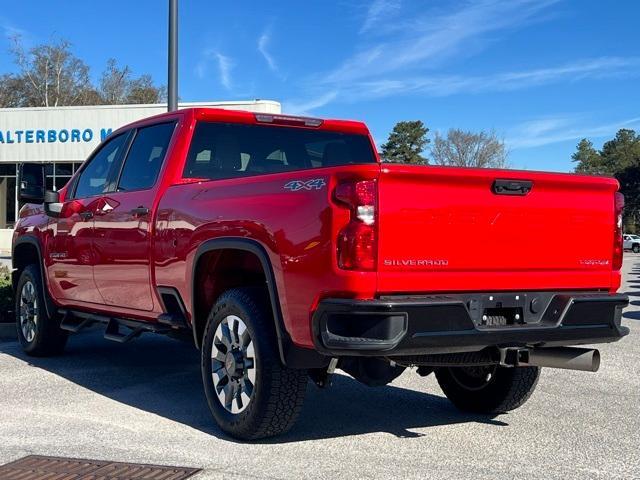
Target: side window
[95,177]
[145,157]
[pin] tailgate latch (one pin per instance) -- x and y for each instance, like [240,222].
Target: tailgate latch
[511,187]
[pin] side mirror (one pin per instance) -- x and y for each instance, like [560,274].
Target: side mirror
[52,205]
[31,183]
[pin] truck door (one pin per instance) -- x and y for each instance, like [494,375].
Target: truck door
[71,253]
[123,222]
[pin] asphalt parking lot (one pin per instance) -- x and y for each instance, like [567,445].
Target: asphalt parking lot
[143,402]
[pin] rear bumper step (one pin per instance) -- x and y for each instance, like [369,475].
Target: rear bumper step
[466,322]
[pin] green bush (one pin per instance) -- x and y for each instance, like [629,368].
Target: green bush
[6,295]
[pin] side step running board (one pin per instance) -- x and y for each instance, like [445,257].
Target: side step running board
[112,332]
[74,321]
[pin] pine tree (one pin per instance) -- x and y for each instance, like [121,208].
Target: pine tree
[406,143]
[588,158]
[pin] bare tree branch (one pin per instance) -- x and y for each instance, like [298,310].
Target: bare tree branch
[468,149]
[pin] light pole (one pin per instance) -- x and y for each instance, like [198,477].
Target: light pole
[172,89]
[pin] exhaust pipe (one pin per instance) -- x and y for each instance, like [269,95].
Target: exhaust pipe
[570,358]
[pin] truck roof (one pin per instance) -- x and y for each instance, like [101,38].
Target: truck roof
[258,118]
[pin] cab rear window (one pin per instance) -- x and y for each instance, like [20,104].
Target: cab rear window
[220,150]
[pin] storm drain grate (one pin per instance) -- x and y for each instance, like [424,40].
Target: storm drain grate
[36,467]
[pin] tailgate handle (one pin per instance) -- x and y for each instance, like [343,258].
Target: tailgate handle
[512,187]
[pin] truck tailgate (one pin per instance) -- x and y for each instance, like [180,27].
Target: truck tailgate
[448,229]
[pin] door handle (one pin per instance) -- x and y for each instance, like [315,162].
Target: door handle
[139,211]
[86,215]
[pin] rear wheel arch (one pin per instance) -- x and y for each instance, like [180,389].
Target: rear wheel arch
[210,260]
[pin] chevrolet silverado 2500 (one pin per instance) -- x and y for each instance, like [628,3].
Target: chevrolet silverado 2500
[283,248]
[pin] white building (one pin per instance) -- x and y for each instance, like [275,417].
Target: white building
[63,137]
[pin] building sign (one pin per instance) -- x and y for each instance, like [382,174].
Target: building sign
[70,134]
[63,135]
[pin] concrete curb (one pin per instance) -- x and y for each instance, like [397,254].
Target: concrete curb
[8,331]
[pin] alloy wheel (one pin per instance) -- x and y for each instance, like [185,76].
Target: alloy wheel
[28,311]
[233,364]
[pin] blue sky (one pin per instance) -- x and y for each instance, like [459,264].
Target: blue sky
[541,73]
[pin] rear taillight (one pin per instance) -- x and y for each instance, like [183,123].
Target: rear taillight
[617,232]
[357,242]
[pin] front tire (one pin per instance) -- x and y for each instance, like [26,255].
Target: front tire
[488,389]
[250,393]
[39,334]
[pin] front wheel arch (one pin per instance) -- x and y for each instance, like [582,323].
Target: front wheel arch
[27,251]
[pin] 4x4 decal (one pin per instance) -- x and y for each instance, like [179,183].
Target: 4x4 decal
[296,185]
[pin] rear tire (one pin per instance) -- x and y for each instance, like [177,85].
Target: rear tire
[39,334]
[488,389]
[636,248]
[250,393]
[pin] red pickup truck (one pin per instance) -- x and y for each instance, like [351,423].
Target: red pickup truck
[285,249]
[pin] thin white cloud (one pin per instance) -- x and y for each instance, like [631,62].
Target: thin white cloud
[432,37]
[549,130]
[415,43]
[379,11]
[445,85]
[225,64]
[263,45]
[201,69]
[301,107]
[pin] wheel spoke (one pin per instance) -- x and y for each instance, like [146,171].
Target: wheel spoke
[216,366]
[30,292]
[233,330]
[245,399]
[250,353]
[237,405]
[241,332]
[218,355]
[228,395]
[218,374]
[226,336]
[247,386]
[245,339]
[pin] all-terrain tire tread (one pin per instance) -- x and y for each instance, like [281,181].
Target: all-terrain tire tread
[287,386]
[510,389]
[521,388]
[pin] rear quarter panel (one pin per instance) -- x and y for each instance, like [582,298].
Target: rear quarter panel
[296,228]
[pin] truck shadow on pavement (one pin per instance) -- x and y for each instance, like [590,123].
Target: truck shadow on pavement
[162,376]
